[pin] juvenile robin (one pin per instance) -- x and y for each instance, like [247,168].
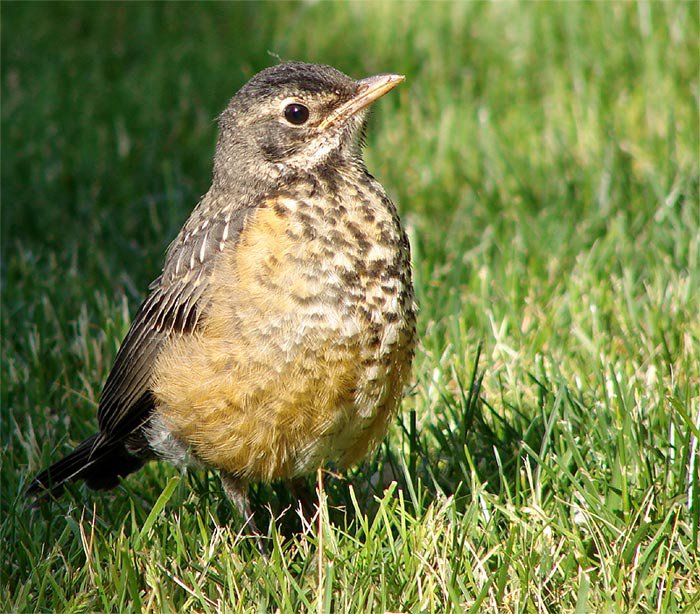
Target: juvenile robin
[281,330]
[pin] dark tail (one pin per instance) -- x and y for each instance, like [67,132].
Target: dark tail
[97,460]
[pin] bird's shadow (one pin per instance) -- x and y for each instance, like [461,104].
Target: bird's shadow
[470,439]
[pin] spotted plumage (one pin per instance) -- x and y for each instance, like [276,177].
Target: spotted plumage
[280,333]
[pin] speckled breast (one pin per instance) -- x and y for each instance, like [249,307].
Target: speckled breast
[308,339]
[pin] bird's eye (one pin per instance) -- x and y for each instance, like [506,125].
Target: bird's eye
[296,113]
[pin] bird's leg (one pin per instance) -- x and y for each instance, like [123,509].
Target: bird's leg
[237,492]
[302,492]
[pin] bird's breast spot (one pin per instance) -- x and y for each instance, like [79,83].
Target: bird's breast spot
[389,338]
[379,253]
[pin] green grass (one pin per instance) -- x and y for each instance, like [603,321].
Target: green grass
[545,160]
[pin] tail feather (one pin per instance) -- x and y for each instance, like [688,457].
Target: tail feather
[96,460]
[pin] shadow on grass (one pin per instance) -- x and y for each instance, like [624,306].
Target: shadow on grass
[469,442]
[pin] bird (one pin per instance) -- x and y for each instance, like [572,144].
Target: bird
[280,334]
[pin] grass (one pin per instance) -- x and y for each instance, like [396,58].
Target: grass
[545,160]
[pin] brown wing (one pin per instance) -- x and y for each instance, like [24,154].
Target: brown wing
[176,306]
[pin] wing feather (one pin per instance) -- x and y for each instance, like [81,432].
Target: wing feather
[176,306]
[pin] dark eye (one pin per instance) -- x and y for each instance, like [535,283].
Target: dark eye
[296,113]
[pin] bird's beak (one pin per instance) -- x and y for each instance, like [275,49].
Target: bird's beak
[368,90]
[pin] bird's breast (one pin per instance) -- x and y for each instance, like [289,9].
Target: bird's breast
[307,341]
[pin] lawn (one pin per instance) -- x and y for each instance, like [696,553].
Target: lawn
[544,157]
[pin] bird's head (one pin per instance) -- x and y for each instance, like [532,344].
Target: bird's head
[295,116]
